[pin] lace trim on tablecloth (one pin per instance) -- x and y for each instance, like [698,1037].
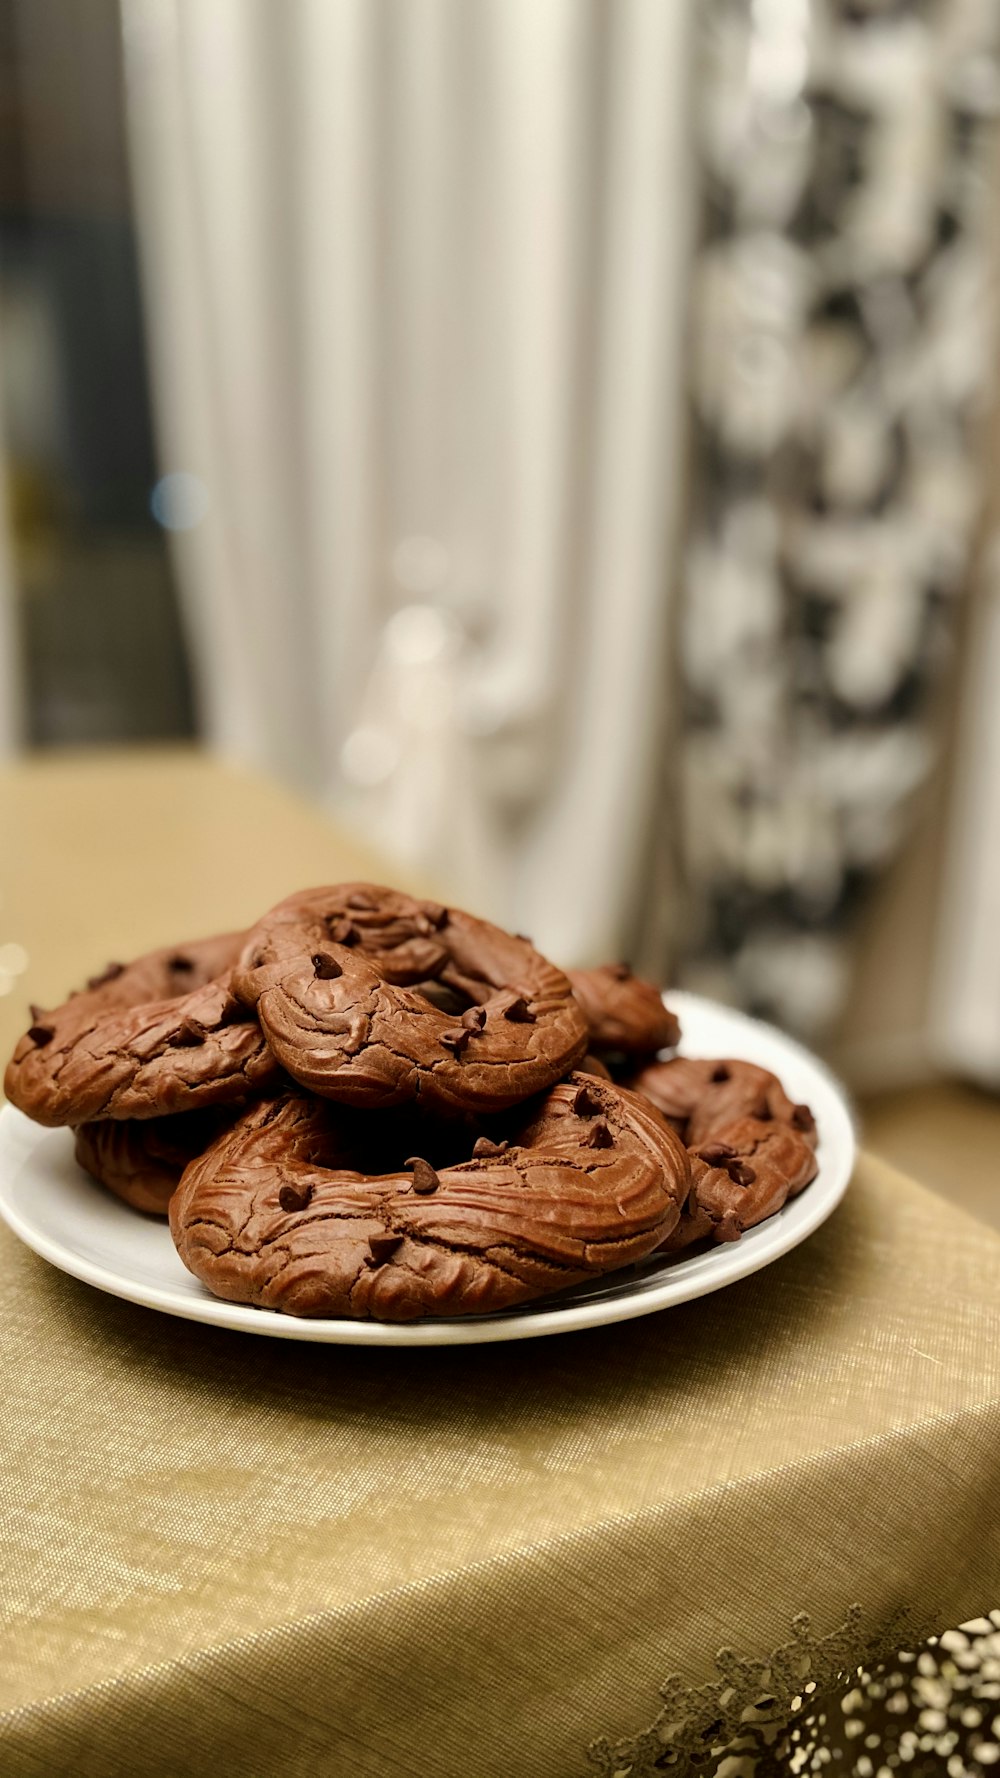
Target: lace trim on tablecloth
[744,1722]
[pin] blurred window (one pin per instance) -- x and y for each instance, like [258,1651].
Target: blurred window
[102,652]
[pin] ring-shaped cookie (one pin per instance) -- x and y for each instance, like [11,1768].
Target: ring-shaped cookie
[740,1178]
[585,1182]
[147,1039]
[491,1023]
[751,1146]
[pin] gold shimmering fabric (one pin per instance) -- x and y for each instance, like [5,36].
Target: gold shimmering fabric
[249,1558]
[228,1554]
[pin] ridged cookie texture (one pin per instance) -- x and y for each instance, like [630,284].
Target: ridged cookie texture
[751,1146]
[141,1160]
[584,1181]
[373,998]
[147,1039]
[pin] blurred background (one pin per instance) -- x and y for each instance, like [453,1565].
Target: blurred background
[558,438]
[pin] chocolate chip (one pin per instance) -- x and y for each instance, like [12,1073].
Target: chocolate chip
[343,931]
[382,1246]
[599,1136]
[436,914]
[294,1197]
[523,936]
[190,1033]
[621,971]
[474,1018]
[455,1040]
[425,1180]
[719,1074]
[232,1012]
[485,1150]
[716,1154]
[728,1229]
[325,967]
[586,1103]
[180,962]
[740,1173]
[41,1035]
[803,1118]
[518,1011]
[109,974]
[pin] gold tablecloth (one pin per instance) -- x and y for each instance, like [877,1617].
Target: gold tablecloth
[223,1554]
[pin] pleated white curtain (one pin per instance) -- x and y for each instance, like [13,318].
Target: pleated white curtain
[414,275]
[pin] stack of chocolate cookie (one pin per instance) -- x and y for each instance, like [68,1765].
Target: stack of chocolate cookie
[374,1106]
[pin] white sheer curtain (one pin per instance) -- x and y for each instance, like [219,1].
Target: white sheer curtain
[414,279]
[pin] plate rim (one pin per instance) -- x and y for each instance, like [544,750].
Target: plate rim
[731,1262]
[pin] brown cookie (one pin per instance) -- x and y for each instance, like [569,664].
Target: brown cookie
[625,1014]
[112,1052]
[485,1022]
[740,1179]
[586,1181]
[703,1095]
[142,1162]
[751,1146]
[156,975]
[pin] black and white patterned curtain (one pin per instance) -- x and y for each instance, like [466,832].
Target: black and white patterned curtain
[842,316]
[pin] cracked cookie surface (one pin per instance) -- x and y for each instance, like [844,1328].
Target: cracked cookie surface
[586,1180]
[374,998]
[161,1035]
[751,1146]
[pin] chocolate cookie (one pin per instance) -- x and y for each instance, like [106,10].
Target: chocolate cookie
[587,1181]
[485,1021]
[740,1178]
[751,1146]
[625,1015]
[142,1161]
[701,1096]
[112,1052]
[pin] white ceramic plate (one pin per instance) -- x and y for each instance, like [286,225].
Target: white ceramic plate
[62,1214]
